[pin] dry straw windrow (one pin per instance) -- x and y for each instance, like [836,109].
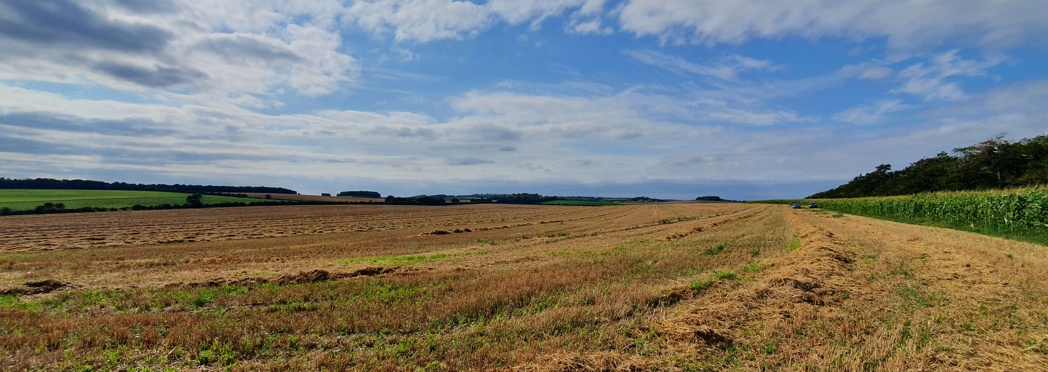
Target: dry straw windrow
[688,286]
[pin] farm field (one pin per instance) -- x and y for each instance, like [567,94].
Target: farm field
[581,203]
[321,198]
[19,200]
[668,286]
[1017,213]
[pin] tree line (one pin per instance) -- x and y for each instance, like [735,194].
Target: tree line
[361,194]
[53,184]
[520,198]
[992,164]
[192,201]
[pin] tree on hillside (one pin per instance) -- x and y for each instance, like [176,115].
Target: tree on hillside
[930,174]
[195,200]
[1034,152]
[361,194]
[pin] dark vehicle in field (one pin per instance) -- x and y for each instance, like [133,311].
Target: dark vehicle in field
[813,205]
[795,206]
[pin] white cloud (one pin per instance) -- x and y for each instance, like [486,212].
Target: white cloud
[907,25]
[739,116]
[725,69]
[536,11]
[872,113]
[328,68]
[592,7]
[568,138]
[430,20]
[933,82]
[589,27]
[875,73]
[233,51]
[419,20]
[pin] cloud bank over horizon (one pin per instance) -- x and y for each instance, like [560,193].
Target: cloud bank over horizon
[663,98]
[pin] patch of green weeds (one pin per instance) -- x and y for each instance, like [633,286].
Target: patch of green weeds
[752,268]
[233,290]
[205,357]
[389,292]
[770,348]
[643,268]
[901,270]
[14,301]
[486,241]
[716,249]
[725,275]
[399,260]
[1037,346]
[919,298]
[794,245]
[700,284]
[202,298]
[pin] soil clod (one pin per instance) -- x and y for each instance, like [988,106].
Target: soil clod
[37,287]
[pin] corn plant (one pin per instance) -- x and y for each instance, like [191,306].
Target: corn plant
[1020,213]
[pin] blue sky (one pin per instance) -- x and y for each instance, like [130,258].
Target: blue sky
[661,98]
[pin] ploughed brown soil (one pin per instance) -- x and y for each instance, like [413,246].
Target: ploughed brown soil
[680,286]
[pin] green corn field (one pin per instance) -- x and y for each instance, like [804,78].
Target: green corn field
[1013,213]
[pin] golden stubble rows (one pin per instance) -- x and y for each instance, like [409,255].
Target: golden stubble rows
[164,247]
[649,286]
[861,294]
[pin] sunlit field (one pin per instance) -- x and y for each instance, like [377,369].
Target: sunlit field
[668,286]
[23,200]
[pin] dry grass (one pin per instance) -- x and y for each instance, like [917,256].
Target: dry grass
[868,294]
[638,287]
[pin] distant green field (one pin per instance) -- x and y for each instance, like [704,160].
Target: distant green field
[20,200]
[580,203]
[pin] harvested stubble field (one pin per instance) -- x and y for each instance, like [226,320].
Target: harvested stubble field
[649,287]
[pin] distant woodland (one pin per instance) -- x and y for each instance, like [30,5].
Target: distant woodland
[53,184]
[361,194]
[991,164]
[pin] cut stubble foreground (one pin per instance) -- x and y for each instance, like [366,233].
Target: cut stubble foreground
[673,286]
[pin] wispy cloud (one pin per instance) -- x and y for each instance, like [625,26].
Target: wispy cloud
[725,68]
[182,50]
[907,25]
[419,20]
[936,81]
[871,113]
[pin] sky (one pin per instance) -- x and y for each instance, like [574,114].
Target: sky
[662,98]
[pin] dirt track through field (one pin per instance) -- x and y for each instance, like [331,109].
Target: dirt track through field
[648,286]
